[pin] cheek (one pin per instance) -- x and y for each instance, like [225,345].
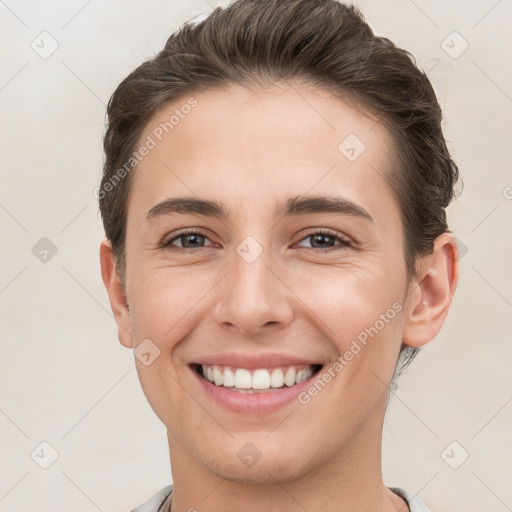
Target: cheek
[164,305]
[343,301]
[164,300]
[359,311]
[348,299]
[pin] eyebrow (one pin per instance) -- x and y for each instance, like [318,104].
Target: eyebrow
[298,205]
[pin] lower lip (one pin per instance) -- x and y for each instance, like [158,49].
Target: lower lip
[256,403]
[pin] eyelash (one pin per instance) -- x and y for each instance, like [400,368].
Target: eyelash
[344,243]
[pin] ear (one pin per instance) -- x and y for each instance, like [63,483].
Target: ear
[116,293]
[429,296]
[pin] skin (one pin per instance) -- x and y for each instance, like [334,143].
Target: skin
[251,149]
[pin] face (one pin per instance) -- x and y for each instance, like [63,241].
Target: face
[286,264]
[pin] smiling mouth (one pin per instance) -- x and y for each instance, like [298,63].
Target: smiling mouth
[261,380]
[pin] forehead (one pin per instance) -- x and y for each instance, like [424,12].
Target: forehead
[241,145]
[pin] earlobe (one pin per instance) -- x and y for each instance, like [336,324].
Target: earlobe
[116,293]
[431,295]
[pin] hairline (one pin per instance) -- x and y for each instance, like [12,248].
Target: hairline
[392,163]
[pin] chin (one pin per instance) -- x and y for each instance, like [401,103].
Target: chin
[272,472]
[250,465]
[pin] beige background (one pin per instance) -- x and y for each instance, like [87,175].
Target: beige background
[66,380]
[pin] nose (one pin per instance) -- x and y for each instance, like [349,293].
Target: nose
[254,297]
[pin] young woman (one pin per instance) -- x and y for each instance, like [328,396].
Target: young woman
[274,197]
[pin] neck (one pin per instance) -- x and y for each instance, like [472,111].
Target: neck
[350,479]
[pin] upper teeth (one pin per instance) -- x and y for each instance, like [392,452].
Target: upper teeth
[240,378]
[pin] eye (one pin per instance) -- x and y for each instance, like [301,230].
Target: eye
[323,239]
[188,240]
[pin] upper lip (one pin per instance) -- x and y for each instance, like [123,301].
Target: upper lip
[254,361]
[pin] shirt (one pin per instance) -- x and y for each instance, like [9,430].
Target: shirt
[156,502]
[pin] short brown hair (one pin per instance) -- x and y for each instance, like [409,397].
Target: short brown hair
[323,43]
